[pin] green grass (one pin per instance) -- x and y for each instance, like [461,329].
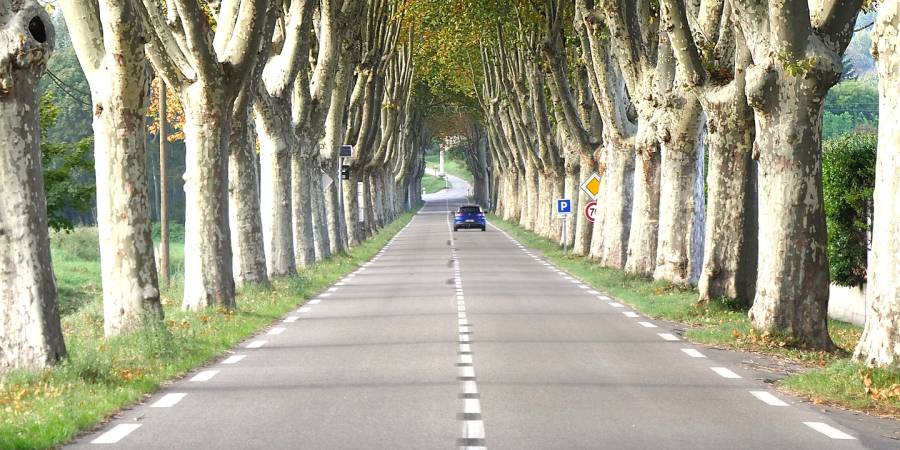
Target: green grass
[453,166]
[827,377]
[433,184]
[100,376]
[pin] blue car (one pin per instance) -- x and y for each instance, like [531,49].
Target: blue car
[469,216]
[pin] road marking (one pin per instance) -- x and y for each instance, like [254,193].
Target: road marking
[616,305]
[463,329]
[581,286]
[460,297]
[768,398]
[693,353]
[828,430]
[630,314]
[116,433]
[465,359]
[568,277]
[724,372]
[463,321]
[603,297]
[256,344]
[461,307]
[471,406]
[464,338]
[461,315]
[325,294]
[168,400]
[276,331]
[473,429]
[593,292]
[206,375]
[647,325]
[304,309]
[668,336]
[465,348]
[332,289]
[466,372]
[314,302]
[290,319]
[234,359]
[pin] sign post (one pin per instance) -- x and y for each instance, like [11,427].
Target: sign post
[346,151]
[564,210]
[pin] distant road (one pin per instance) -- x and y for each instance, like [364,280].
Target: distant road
[468,339]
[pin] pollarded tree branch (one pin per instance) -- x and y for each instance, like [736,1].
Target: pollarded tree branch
[682,42]
[86,33]
[198,40]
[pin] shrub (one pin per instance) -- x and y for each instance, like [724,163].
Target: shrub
[848,170]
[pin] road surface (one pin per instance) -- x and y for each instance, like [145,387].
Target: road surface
[468,339]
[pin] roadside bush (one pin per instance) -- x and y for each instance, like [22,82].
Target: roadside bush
[848,170]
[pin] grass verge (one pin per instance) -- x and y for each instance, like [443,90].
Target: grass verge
[827,377]
[100,376]
[452,165]
[433,184]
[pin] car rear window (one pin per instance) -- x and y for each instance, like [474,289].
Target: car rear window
[470,209]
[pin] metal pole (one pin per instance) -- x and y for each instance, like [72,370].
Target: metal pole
[163,191]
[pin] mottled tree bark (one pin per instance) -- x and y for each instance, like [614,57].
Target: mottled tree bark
[208,277]
[880,342]
[112,56]
[796,59]
[679,130]
[247,243]
[29,315]
[276,141]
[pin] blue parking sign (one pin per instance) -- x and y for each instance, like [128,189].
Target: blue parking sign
[563,206]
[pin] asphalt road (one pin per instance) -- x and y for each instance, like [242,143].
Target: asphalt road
[467,339]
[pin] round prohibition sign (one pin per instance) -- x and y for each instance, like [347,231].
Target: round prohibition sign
[590,210]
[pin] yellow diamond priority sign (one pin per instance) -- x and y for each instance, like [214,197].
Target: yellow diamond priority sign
[591,186]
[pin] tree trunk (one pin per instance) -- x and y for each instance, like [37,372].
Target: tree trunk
[301,209]
[645,209]
[617,204]
[276,142]
[880,342]
[584,229]
[678,174]
[128,267]
[351,208]
[571,190]
[29,315]
[337,229]
[208,279]
[530,207]
[320,224]
[729,141]
[793,282]
[247,243]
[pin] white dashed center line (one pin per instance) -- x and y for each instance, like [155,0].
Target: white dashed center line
[768,398]
[256,344]
[234,359]
[168,400]
[724,372]
[828,430]
[206,375]
[116,433]
[693,353]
